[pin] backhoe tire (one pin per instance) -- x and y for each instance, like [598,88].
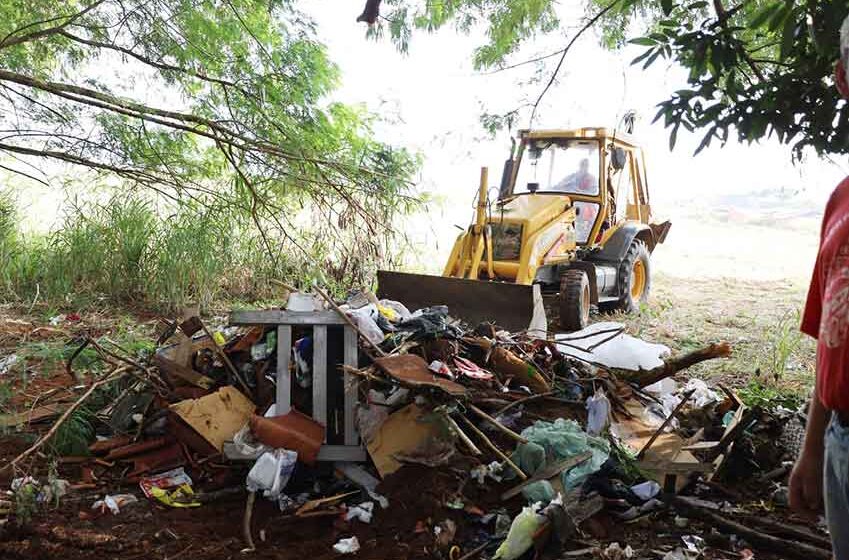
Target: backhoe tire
[635,277]
[574,300]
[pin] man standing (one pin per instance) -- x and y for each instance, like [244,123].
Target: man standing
[824,462]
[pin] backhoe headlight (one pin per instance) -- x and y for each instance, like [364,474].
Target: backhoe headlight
[506,241]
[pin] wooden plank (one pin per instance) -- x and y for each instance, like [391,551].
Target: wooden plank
[280,317]
[353,453]
[319,374]
[351,383]
[284,381]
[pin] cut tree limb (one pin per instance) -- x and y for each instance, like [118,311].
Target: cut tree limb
[674,364]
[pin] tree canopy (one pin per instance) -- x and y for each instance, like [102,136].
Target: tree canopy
[219,101]
[756,68]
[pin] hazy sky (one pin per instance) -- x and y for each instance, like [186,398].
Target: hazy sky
[435,98]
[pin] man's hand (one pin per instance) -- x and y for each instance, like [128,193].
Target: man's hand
[806,482]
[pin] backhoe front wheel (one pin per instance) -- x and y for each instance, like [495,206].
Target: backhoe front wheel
[635,277]
[574,300]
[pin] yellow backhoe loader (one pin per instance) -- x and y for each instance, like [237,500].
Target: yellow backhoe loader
[573,219]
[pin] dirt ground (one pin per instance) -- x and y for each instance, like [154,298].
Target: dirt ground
[759,318]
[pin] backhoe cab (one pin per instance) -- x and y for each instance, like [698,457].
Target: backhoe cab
[573,218]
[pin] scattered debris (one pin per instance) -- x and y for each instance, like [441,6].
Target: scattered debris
[470,440]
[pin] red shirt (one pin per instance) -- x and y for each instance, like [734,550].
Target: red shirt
[826,316]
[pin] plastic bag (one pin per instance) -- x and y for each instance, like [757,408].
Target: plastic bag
[271,472]
[114,503]
[401,311]
[562,439]
[598,417]
[539,491]
[520,538]
[529,457]
[365,319]
[702,395]
[646,490]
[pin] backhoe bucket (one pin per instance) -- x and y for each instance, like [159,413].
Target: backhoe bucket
[511,306]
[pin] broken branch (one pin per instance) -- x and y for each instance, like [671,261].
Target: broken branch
[494,449]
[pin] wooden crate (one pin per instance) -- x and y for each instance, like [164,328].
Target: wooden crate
[325,374]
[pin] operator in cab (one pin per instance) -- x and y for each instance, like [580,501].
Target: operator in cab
[581,181]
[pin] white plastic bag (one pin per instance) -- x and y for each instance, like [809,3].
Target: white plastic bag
[114,503]
[702,394]
[271,472]
[399,308]
[598,417]
[520,538]
[365,319]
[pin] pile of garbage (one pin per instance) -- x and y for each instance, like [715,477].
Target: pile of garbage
[468,439]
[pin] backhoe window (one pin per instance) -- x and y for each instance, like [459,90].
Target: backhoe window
[559,166]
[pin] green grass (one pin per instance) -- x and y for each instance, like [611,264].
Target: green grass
[136,251]
[785,342]
[769,395]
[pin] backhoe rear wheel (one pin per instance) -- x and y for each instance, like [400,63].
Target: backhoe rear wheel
[574,300]
[635,277]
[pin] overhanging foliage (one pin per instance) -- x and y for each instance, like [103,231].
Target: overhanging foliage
[218,101]
[757,68]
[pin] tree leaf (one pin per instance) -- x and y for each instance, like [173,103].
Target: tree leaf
[643,41]
[761,16]
[667,6]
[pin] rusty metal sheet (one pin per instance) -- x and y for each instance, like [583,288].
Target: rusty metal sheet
[510,306]
[411,370]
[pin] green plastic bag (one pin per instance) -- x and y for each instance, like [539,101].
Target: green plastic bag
[539,491]
[562,439]
[529,457]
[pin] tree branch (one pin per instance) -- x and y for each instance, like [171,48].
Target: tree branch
[149,61]
[580,32]
[10,41]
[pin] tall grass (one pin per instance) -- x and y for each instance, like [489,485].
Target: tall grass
[126,250]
